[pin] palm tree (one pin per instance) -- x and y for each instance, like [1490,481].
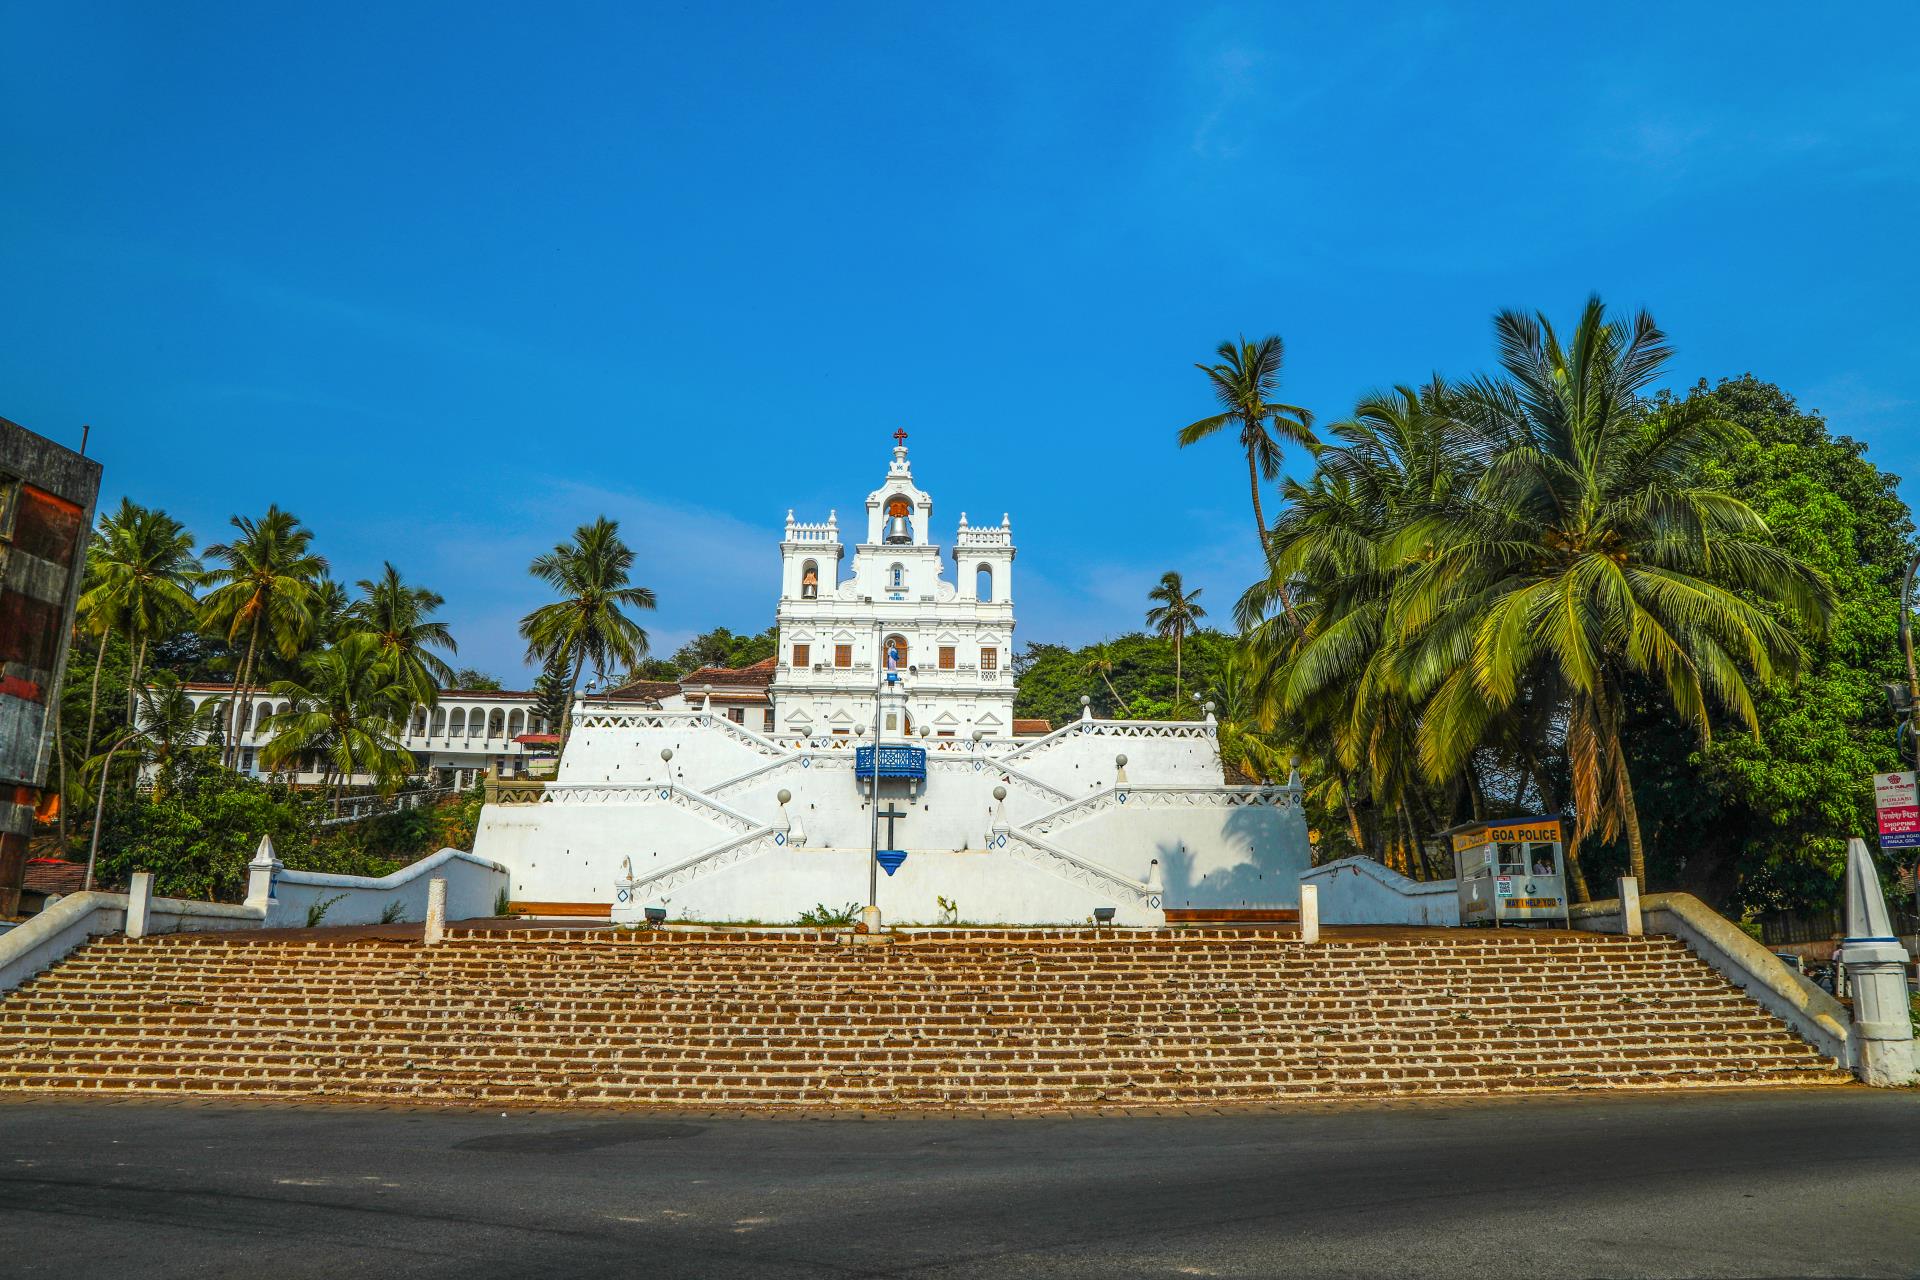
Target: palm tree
[1247,374]
[592,575]
[141,570]
[330,613]
[170,726]
[1588,556]
[398,616]
[346,707]
[1099,662]
[1176,612]
[1329,672]
[262,600]
[1244,723]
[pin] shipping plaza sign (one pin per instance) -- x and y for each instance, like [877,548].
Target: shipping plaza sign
[1897,804]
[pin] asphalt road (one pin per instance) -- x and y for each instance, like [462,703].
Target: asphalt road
[1774,1184]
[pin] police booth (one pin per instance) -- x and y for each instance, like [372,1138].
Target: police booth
[1511,871]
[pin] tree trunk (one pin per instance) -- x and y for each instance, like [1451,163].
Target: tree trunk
[60,764]
[1260,522]
[235,712]
[1119,707]
[1176,671]
[566,708]
[93,701]
[133,683]
[1574,871]
[1354,830]
[1259,514]
[1630,817]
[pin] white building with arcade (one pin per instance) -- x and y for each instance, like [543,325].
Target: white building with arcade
[695,812]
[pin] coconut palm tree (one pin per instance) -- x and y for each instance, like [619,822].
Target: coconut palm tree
[262,601]
[330,613]
[1176,612]
[170,727]
[1245,726]
[588,623]
[346,706]
[141,573]
[1247,373]
[398,616]
[1329,673]
[1098,661]
[1588,555]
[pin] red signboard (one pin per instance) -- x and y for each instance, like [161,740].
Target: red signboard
[1900,821]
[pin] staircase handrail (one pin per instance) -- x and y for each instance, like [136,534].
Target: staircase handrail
[1119,729]
[649,793]
[612,716]
[699,862]
[1222,795]
[1118,880]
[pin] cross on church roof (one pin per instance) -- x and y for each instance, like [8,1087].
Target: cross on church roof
[900,437]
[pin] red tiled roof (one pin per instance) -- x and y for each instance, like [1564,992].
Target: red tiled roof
[214,686]
[757,676]
[1038,728]
[652,689]
[54,875]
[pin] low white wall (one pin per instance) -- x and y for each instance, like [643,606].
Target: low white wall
[628,751]
[1817,1017]
[49,937]
[473,890]
[1211,854]
[1361,891]
[998,887]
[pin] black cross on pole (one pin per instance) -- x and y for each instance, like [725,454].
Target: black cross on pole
[890,813]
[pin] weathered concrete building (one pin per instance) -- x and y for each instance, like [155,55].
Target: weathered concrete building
[47,494]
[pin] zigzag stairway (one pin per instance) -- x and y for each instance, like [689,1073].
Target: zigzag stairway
[998,1019]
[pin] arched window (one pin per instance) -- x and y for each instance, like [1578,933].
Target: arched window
[457,723]
[897,578]
[516,724]
[898,644]
[439,722]
[497,723]
[810,581]
[983,582]
[419,721]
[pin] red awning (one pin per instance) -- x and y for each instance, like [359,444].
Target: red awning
[539,739]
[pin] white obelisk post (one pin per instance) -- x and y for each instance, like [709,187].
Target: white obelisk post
[1876,969]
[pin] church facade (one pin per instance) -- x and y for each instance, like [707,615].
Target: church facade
[838,624]
[700,813]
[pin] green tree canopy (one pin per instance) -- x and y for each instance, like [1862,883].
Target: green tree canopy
[1761,821]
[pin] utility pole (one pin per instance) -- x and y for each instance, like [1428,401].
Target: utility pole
[879,697]
[1913,673]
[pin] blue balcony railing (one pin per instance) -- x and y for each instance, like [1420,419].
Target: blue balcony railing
[895,762]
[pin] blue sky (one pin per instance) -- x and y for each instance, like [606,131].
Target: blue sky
[447,282]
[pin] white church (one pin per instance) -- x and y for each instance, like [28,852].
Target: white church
[893,686]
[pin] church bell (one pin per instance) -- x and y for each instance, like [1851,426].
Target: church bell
[898,530]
